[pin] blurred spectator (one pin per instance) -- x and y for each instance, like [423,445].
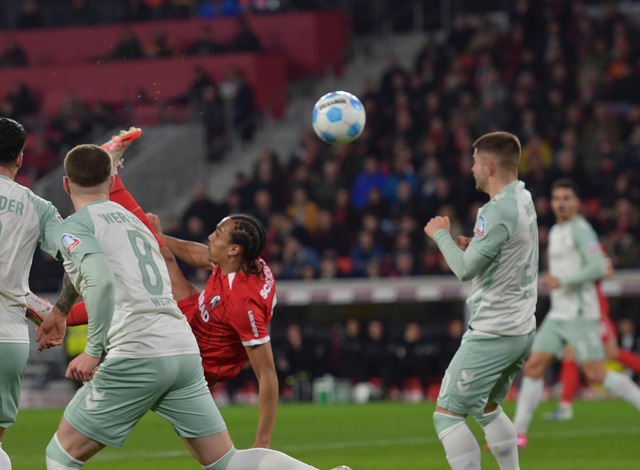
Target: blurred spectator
[294,362]
[364,252]
[81,13]
[73,121]
[161,46]
[235,89]
[205,44]
[450,342]
[376,362]
[302,210]
[128,47]
[213,119]
[217,8]
[245,40]
[30,16]
[202,207]
[22,98]
[13,55]
[350,351]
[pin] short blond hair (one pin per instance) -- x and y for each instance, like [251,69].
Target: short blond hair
[504,146]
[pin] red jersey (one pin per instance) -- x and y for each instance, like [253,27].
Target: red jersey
[232,312]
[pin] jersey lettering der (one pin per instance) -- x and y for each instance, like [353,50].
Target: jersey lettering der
[232,312]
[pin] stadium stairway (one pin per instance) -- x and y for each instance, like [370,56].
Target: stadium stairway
[163,168]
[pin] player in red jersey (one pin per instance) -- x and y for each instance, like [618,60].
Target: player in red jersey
[569,371]
[229,318]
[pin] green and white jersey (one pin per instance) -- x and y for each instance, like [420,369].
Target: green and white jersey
[25,221]
[572,246]
[146,320]
[504,294]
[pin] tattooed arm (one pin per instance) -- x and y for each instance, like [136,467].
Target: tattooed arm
[51,332]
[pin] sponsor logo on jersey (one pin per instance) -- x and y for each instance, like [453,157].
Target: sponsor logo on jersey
[481,227]
[252,320]
[69,242]
[214,301]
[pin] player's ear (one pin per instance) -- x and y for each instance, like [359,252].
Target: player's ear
[65,185]
[19,160]
[112,182]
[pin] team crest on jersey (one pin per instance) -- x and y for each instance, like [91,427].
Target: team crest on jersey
[69,242]
[481,226]
[214,301]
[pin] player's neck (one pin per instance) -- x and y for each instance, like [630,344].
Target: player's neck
[497,185]
[231,267]
[4,171]
[81,200]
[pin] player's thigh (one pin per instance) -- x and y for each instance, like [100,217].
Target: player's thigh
[14,360]
[481,369]
[188,405]
[552,337]
[106,408]
[584,337]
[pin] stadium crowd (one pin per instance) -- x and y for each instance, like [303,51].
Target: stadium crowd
[559,78]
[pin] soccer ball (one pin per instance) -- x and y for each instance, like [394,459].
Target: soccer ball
[338,117]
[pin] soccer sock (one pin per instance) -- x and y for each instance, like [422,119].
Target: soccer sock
[629,359]
[570,379]
[528,400]
[60,459]
[5,461]
[461,447]
[622,386]
[260,459]
[78,315]
[123,197]
[501,437]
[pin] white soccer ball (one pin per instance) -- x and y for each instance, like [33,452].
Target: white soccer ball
[338,117]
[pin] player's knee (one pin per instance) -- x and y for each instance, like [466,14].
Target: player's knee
[594,371]
[444,423]
[534,368]
[491,412]
[58,458]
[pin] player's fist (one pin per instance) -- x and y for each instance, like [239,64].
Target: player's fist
[463,242]
[155,222]
[436,224]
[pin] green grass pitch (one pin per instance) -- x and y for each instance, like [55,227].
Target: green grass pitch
[380,436]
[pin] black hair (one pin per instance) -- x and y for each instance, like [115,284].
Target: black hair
[12,139]
[250,234]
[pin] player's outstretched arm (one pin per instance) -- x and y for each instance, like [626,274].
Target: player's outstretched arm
[193,253]
[261,359]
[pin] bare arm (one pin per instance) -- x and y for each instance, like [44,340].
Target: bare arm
[51,332]
[193,253]
[261,359]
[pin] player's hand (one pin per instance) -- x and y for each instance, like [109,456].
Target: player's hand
[437,223]
[82,368]
[463,242]
[155,222]
[52,330]
[550,282]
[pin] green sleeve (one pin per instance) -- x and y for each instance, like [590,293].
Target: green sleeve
[99,299]
[464,264]
[75,238]
[49,220]
[594,264]
[77,243]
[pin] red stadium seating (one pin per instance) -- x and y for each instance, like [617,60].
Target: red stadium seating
[310,41]
[162,79]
